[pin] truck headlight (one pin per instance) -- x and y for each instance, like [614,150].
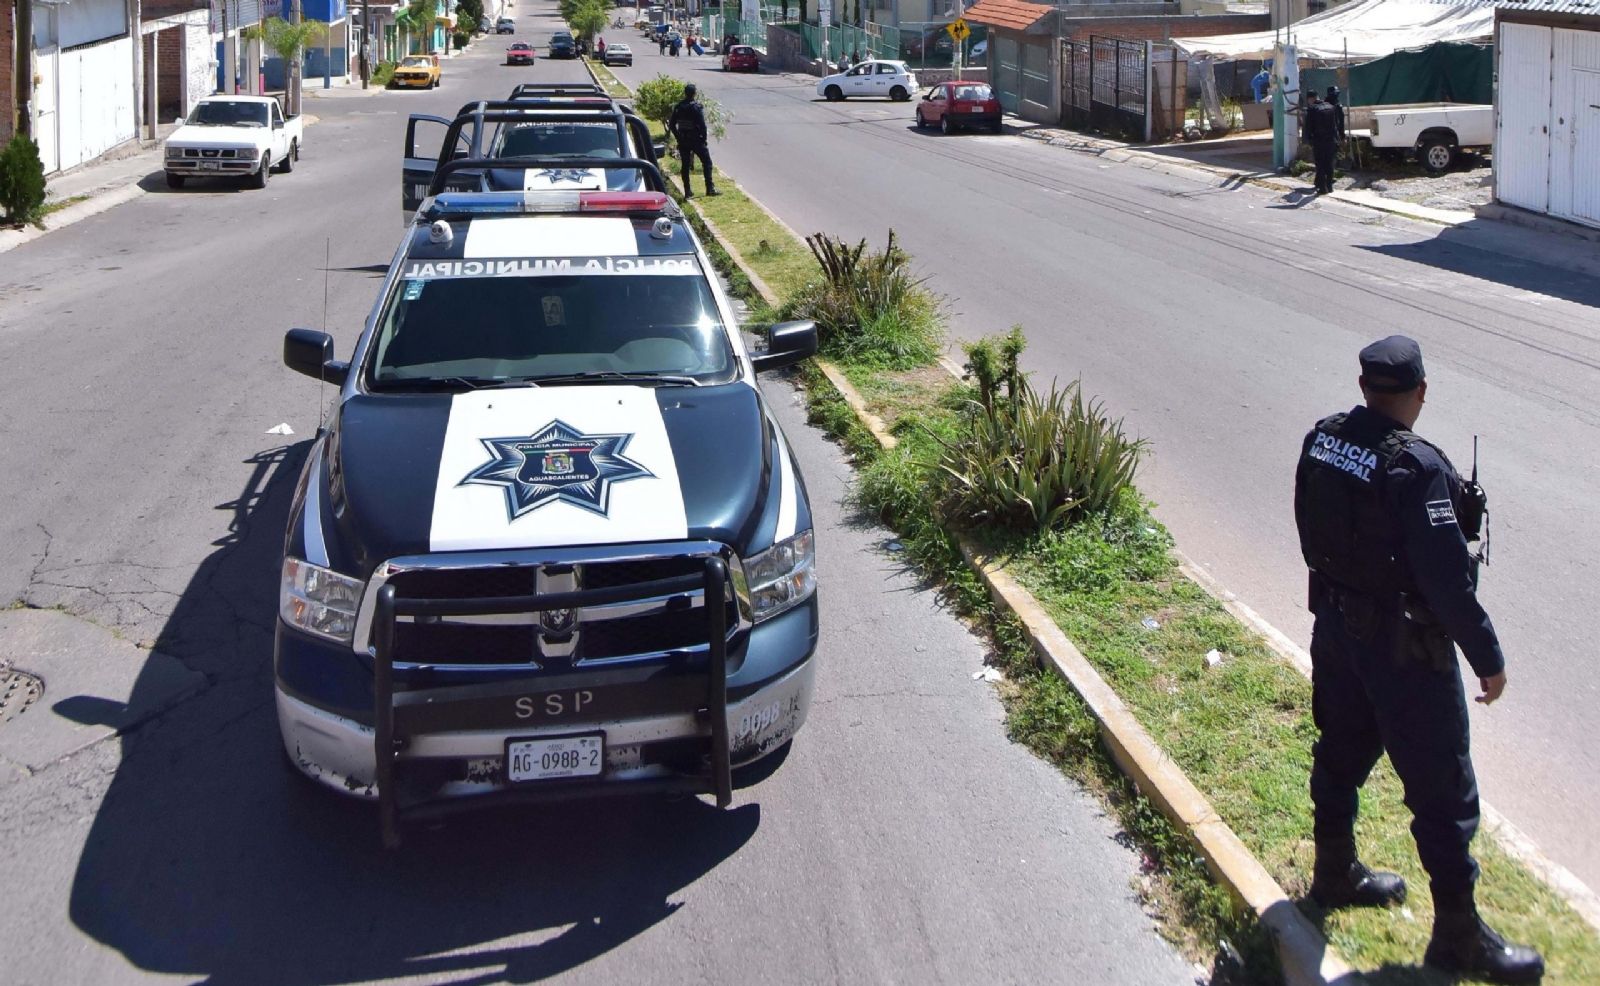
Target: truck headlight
[781,577]
[174,152]
[319,601]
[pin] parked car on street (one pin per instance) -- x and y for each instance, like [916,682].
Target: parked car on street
[531,565]
[885,80]
[417,72]
[505,25]
[239,136]
[618,54]
[562,45]
[741,58]
[979,52]
[953,106]
[521,53]
[1434,132]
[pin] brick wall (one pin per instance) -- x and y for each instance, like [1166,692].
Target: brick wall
[169,68]
[8,81]
[1163,28]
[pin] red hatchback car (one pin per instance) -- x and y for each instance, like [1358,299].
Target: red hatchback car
[520,53]
[741,58]
[953,106]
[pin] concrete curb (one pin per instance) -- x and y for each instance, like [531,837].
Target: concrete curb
[1304,955]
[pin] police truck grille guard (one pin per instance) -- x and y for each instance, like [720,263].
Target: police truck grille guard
[684,685]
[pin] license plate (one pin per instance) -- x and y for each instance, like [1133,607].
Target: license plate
[553,757]
[210,166]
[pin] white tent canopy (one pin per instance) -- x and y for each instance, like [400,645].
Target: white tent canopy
[1370,28]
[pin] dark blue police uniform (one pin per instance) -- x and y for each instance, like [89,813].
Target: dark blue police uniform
[1380,514]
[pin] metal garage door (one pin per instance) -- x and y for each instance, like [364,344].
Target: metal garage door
[1008,80]
[1575,125]
[1522,138]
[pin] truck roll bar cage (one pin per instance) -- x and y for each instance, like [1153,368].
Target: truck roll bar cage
[399,715]
[648,170]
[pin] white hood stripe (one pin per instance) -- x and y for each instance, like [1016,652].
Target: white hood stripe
[789,495]
[477,515]
[316,546]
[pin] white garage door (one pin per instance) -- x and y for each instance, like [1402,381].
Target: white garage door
[1575,125]
[1522,137]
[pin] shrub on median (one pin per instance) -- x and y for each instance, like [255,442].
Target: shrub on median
[655,100]
[1026,462]
[870,309]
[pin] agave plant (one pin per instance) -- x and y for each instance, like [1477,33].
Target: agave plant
[1027,462]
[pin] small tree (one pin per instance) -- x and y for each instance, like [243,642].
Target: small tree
[655,100]
[421,15]
[589,19]
[21,179]
[470,13]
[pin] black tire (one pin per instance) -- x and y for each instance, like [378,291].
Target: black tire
[833,94]
[263,173]
[997,127]
[287,164]
[1436,154]
[921,123]
[174,181]
[899,94]
[945,126]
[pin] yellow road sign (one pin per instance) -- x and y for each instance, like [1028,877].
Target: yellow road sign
[959,30]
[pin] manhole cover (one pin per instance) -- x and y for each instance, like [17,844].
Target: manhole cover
[18,690]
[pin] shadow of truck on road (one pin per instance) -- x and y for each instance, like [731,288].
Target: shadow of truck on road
[210,857]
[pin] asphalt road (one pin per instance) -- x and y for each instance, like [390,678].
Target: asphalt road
[904,840]
[1224,322]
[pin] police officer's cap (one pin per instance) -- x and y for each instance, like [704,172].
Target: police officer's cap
[1392,365]
[1333,92]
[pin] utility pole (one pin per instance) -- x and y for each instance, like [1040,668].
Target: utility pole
[23,67]
[366,42]
[327,49]
[294,63]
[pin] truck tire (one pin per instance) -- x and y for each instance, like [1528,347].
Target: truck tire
[287,164]
[1436,154]
[263,173]
[833,94]
[174,181]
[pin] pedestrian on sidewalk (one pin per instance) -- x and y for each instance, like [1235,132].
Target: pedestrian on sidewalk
[1338,112]
[688,126]
[1320,130]
[1385,524]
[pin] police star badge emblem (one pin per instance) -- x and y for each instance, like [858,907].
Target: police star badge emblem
[557,462]
[557,175]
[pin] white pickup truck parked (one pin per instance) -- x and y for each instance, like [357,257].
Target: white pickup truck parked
[243,136]
[1434,132]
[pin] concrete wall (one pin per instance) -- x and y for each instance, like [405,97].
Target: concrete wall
[8,81]
[784,50]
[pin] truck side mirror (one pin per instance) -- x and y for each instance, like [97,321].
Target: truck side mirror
[787,344]
[311,352]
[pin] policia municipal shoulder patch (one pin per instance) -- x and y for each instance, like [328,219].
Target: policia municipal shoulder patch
[557,462]
[1441,512]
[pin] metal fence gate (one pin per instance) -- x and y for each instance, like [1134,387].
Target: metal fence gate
[1105,86]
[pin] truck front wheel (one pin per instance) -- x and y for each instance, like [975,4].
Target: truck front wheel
[259,179]
[174,181]
[1436,154]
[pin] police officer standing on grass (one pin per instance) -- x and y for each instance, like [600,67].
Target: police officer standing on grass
[688,125]
[1384,525]
[1321,131]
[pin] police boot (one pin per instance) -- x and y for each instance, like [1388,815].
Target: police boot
[1464,945]
[1342,880]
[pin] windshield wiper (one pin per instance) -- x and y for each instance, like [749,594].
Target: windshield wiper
[468,383]
[603,376]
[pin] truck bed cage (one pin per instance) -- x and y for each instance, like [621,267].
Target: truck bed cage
[648,170]
[535,89]
[397,716]
[475,115]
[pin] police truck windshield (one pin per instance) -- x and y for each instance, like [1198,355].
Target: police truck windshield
[558,140]
[509,320]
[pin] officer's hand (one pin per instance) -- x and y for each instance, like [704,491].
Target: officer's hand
[1492,687]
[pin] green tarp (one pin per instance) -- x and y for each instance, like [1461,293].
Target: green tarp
[1446,72]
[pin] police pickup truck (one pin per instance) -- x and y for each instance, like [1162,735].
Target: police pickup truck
[552,542]
[545,120]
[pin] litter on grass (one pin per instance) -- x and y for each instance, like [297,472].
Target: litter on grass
[1150,623]
[988,674]
[1213,658]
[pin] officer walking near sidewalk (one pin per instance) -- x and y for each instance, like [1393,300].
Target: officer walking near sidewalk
[688,125]
[1384,525]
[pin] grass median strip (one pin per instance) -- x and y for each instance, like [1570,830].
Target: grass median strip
[1224,707]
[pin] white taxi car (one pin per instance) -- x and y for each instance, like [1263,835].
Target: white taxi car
[885,80]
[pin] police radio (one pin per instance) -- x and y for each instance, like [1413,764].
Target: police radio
[1474,514]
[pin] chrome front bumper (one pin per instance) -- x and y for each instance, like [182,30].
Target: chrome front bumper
[339,752]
